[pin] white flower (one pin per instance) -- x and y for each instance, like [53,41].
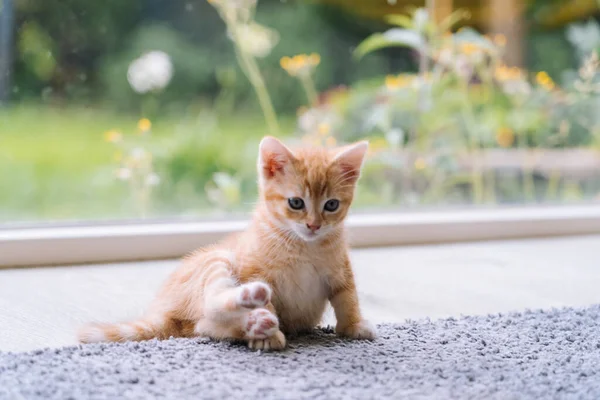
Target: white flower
[123,174]
[150,72]
[234,4]
[256,39]
[152,179]
[223,179]
[395,137]
[310,120]
[377,117]
[137,153]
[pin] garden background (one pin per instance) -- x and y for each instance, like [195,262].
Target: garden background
[154,108]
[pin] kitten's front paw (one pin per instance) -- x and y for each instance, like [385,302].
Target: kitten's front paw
[260,324]
[362,331]
[275,342]
[253,295]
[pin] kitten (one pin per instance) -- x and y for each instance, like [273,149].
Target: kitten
[277,276]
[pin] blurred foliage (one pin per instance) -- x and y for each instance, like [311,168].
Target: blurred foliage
[60,42]
[545,13]
[550,51]
[463,101]
[74,50]
[425,95]
[193,74]
[553,14]
[61,163]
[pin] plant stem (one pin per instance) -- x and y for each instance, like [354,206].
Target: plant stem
[528,182]
[553,182]
[423,69]
[491,186]
[144,202]
[430,6]
[477,181]
[250,68]
[258,82]
[309,88]
[488,95]
[477,177]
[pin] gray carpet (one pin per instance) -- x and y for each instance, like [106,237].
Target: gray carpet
[532,355]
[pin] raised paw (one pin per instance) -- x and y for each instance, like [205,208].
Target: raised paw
[274,342]
[361,330]
[254,295]
[260,324]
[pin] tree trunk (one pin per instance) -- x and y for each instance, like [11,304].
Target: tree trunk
[506,18]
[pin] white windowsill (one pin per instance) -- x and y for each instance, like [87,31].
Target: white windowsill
[147,241]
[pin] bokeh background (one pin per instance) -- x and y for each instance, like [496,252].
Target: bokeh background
[154,108]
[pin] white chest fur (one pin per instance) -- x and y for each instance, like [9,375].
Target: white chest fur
[300,297]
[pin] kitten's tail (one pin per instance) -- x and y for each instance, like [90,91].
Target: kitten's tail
[144,329]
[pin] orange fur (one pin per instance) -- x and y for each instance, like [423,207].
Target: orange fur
[277,276]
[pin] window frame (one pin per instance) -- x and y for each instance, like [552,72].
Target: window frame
[121,242]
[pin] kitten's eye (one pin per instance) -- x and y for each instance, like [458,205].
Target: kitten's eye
[296,203]
[332,205]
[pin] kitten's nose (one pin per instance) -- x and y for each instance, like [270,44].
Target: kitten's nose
[313,227]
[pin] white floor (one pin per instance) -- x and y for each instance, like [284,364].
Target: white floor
[43,307]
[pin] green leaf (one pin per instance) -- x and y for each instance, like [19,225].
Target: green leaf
[524,120]
[453,19]
[400,20]
[393,37]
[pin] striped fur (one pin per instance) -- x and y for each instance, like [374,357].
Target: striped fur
[276,277]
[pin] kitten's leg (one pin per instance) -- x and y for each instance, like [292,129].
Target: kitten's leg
[259,327]
[347,313]
[344,300]
[224,299]
[238,311]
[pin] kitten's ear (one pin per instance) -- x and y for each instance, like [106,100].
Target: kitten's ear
[350,159]
[273,156]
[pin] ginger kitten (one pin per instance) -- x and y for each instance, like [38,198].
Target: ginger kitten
[277,276]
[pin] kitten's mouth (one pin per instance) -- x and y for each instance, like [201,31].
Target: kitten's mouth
[308,236]
[311,235]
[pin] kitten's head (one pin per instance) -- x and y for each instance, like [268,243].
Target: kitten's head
[308,191]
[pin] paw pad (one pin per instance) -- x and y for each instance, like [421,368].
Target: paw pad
[254,295]
[260,324]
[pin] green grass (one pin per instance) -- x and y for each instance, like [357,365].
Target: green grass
[55,164]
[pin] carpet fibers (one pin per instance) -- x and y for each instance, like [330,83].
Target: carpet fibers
[532,355]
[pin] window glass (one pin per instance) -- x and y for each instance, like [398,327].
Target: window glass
[115,110]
